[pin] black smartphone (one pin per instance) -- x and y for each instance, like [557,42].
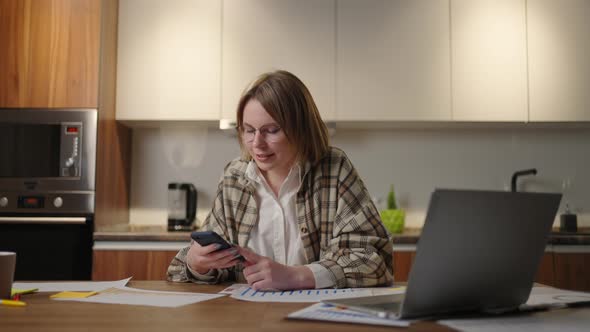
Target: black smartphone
[209,237]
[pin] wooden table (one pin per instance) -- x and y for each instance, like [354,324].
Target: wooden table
[222,314]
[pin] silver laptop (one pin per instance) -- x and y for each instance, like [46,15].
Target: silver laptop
[479,251]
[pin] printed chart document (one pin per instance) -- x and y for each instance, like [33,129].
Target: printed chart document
[87,286]
[133,296]
[328,312]
[307,295]
[244,292]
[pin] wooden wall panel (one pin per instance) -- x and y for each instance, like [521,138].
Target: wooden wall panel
[52,52]
[11,65]
[113,169]
[139,264]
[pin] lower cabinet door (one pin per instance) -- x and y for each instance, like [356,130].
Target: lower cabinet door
[403,260]
[545,274]
[402,264]
[572,271]
[139,264]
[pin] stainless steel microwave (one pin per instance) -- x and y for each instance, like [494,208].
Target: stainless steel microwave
[47,161]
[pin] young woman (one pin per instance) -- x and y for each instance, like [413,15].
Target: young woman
[294,207]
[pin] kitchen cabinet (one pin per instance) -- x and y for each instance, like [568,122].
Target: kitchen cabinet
[169,60]
[50,53]
[62,54]
[572,270]
[566,267]
[402,264]
[265,35]
[546,273]
[393,60]
[559,65]
[139,264]
[403,260]
[375,60]
[489,60]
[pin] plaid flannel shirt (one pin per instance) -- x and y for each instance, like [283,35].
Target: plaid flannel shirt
[339,224]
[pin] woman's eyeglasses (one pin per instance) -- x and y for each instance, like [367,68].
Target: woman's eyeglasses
[271,133]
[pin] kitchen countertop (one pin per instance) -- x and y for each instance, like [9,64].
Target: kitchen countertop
[409,236]
[139,233]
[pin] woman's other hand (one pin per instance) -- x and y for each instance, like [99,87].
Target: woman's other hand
[203,259]
[262,273]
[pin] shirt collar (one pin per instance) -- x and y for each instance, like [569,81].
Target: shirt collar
[253,173]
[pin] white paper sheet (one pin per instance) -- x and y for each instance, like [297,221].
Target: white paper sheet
[550,295]
[133,296]
[554,320]
[81,286]
[327,312]
[388,290]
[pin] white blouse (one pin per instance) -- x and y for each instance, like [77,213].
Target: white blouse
[276,235]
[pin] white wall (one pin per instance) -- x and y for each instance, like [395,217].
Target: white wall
[163,155]
[414,160]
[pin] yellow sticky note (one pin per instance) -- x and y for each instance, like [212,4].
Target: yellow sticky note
[72,295]
[15,291]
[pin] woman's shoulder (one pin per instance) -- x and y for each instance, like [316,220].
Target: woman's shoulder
[236,167]
[335,152]
[334,156]
[333,162]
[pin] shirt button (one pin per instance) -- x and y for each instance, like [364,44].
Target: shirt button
[304,230]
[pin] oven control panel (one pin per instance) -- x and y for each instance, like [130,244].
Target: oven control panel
[43,203]
[31,202]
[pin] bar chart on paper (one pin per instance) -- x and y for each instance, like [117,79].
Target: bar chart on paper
[304,295]
[328,312]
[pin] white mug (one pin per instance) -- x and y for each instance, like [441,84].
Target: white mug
[7,264]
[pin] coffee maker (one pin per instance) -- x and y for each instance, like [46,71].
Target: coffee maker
[182,206]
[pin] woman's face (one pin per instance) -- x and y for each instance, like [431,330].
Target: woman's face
[266,141]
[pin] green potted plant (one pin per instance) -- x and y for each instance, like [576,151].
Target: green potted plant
[393,218]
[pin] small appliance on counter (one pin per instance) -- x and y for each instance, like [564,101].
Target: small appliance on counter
[568,221]
[182,206]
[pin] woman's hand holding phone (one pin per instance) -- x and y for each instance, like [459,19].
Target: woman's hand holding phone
[203,258]
[210,251]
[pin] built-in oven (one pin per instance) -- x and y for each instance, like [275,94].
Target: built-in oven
[47,190]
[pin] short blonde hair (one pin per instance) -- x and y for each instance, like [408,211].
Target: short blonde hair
[288,101]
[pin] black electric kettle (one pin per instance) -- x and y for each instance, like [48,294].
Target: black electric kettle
[182,206]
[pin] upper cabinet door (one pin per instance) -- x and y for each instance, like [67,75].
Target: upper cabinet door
[49,53]
[265,35]
[559,60]
[393,60]
[488,52]
[169,60]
